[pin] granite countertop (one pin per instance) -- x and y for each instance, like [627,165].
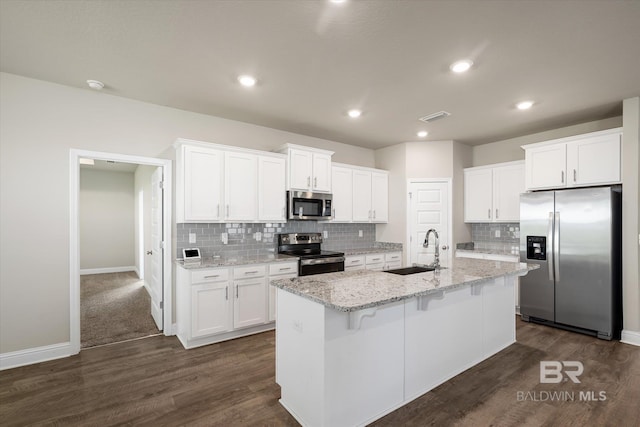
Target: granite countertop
[356,290]
[210,262]
[364,251]
[489,251]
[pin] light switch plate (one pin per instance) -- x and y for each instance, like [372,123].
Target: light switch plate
[192,237]
[360,233]
[497,233]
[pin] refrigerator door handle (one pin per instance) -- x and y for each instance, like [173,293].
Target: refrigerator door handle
[556,246]
[549,249]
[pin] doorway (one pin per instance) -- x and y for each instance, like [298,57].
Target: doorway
[124,284]
[429,206]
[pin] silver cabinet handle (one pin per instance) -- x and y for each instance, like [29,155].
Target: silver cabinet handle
[562,177]
[315,181]
[369,214]
[237,291]
[285,268]
[251,272]
[149,252]
[575,176]
[489,213]
[226,293]
[212,276]
[218,214]
[308,181]
[334,212]
[374,214]
[497,216]
[227,211]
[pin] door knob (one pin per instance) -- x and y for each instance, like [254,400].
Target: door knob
[149,252]
[445,247]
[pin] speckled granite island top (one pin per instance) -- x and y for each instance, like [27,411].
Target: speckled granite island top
[357,290]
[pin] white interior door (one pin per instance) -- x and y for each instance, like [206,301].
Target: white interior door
[429,208]
[156,277]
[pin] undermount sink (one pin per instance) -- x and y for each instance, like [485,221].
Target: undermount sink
[410,270]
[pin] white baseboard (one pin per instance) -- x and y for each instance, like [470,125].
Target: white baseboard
[34,355]
[107,270]
[630,337]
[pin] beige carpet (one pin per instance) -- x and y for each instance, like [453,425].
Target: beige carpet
[114,307]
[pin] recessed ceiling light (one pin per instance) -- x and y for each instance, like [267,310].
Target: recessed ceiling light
[337,1]
[95,84]
[246,80]
[354,114]
[524,105]
[422,133]
[461,66]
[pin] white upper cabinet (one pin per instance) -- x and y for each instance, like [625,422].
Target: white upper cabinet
[582,160]
[218,183]
[342,181]
[272,201]
[241,186]
[492,193]
[380,196]
[309,168]
[199,181]
[370,195]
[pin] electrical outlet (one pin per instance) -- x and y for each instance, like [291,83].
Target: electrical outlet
[360,233]
[325,234]
[192,237]
[497,233]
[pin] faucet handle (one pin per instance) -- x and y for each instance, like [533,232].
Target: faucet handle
[445,247]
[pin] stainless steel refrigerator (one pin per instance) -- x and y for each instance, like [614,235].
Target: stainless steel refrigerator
[575,237]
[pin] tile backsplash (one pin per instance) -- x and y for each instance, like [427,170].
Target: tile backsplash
[484,235]
[242,236]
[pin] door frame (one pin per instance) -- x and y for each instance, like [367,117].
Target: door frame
[74,236]
[449,183]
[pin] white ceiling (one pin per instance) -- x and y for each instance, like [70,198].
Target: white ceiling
[315,60]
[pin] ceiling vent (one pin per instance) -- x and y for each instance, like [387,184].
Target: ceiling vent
[435,116]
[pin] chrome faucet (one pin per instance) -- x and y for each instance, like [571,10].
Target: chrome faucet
[436,255]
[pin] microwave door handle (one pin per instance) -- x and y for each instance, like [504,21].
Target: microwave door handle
[300,212]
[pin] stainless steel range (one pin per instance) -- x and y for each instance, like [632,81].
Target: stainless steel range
[313,260]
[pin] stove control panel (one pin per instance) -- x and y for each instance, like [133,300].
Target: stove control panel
[299,238]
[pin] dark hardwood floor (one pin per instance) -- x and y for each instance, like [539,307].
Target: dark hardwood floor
[154,381]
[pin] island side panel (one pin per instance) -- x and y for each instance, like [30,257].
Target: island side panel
[443,337]
[300,357]
[499,314]
[364,367]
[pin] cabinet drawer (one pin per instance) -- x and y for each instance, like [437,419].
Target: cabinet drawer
[393,265]
[393,256]
[378,266]
[374,258]
[353,261]
[278,268]
[249,271]
[217,275]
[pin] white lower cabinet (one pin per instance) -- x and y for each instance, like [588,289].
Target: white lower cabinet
[218,304]
[383,261]
[281,270]
[354,262]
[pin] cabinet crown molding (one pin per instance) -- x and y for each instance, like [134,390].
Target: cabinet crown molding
[495,165]
[363,168]
[572,138]
[181,142]
[285,147]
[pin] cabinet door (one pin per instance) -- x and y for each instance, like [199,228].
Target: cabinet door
[272,188]
[210,309]
[342,181]
[321,172]
[241,187]
[203,173]
[546,167]
[361,196]
[300,167]
[478,195]
[380,197]
[249,302]
[508,183]
[594,160]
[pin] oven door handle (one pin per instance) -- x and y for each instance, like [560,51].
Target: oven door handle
[316,261]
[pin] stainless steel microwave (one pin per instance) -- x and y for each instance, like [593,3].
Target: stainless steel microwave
[305,205]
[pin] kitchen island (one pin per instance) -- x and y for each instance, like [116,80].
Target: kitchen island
[354,346]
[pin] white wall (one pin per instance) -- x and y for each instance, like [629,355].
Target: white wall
[106,204]
[631,215]
[41,122]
